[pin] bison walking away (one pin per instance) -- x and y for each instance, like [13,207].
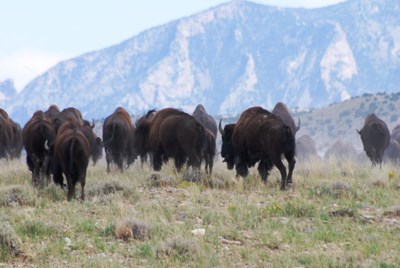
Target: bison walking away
[38,136]
[259,136]
[6,134]
[282,112]
[210,125]
[118,134]
[71,158]
[171,133]
[306,148]
[205,119]
[375,137]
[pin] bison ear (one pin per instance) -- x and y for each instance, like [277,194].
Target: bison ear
[220,128]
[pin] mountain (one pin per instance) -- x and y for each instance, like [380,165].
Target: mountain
[231,57]
[340,121]
[7,92]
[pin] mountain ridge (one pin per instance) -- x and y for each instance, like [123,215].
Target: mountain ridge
[230,57]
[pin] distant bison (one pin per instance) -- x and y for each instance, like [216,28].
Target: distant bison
[282,112]
[118,135]
[392,152]
[6,134]
[342,151]
[396,133]
[210,125]
[375,137]
[71,158]
[205,119]
[259,136]
[305,147]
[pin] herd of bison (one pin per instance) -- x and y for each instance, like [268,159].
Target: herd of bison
[60,144]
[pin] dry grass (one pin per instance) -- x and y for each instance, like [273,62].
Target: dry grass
[337,214]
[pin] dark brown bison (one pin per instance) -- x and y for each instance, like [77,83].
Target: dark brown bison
[38,136]
[342,151]
[16,140]
[375,137]
[118,135]
[71,158]
[259,136]
[145,152]
[171,134]
[72,114]
[52,112]
[6,134]
[282,112]
[305,147]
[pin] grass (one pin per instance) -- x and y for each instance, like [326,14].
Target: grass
[336,215]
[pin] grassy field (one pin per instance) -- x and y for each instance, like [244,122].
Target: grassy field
[338,214]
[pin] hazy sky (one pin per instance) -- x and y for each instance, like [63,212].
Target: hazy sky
[36,34]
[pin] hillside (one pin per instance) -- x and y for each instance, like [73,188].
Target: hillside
[230,57]
[340,120]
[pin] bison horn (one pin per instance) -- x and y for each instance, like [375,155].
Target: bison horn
[93,124]
[359,132]
[298,125]
[46,145]
[220,128]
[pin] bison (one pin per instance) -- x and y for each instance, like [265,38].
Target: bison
[16,140]
[6,134]
[305,147]
[118,134]
[71,158]
[392,152]
[72,114]
[205,119]
[38,136]
[209,124]
[395,134]
[375,137]
[282,112]
[259,136]
[171,134]
[342,150]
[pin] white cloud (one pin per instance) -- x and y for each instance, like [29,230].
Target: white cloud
[24,65]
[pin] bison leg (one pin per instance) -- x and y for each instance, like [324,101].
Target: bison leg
[108,160]
[36,171]
[179,161]
[44,175]
[241,168]
[282,170]
[157,159]
[71,188]
[209,163]
[292,162]
[83,180]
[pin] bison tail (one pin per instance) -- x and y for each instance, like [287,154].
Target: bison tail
[107,142]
